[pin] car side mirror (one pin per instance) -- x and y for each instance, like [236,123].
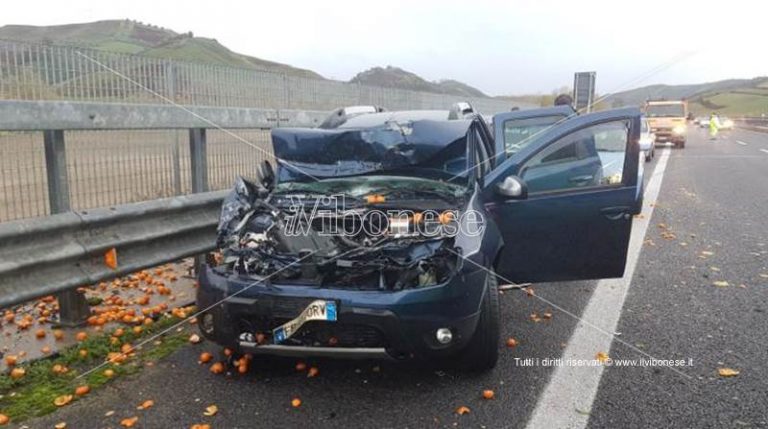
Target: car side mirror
[512,187]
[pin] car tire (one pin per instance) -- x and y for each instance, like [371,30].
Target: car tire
[482,351]
[648,158]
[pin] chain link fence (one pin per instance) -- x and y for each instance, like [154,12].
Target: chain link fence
[50,72]
[116,167]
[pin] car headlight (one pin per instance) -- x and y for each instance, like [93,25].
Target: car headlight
[680,129]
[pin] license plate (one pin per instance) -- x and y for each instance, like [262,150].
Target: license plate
[316,310]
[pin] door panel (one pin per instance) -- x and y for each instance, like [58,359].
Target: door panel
[582,191]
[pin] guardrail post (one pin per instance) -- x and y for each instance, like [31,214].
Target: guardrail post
[73,308]
[198,154]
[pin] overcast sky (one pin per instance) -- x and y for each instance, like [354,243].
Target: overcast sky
[504,47]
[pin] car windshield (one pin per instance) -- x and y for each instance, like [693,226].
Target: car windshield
[665,110]
[435,150]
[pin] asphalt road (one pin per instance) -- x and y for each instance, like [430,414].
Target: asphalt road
[713,199]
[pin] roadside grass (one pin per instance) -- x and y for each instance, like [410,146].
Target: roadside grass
[33,395]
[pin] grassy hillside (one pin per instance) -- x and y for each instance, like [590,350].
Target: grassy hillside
[133,37]
[735,97]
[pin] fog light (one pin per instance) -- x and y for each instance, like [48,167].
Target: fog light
[444,335]
[207,323]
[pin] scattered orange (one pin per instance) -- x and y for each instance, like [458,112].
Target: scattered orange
[313,371]
[81,336]
[488,394]
[511,342]
[11,360]
[146,405]
[217,368]
[18,373]
[62,400]
[129,422]
[205,357]
[109,373]
[295,402]
[301,366]
[211,410]
[83,353]
[462,410]
[58,334]
[40,334]
[4,419]
[82,390]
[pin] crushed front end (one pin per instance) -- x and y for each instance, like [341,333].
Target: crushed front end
[304,274]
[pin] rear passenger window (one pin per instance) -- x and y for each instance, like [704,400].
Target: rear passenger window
[593,156]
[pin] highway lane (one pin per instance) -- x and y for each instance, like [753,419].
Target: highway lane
[715,199]
[710,197]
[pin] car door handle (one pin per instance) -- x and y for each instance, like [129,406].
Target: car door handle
[616,213]
[581,179]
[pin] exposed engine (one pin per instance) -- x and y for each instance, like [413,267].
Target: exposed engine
[333,248]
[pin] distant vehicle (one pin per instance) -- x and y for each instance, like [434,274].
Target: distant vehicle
[647,140]
[667,119]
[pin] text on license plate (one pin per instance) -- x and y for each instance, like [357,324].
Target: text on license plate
[316,310]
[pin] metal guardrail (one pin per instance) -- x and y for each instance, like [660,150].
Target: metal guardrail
[55,254]
[124,153]
[50,255]
[759,124]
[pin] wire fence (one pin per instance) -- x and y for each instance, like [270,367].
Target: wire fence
[116,167]
[30,71]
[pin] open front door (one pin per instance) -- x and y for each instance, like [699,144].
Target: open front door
[514,130]
[564,201]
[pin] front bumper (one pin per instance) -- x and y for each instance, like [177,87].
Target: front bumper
[667,135]
[394,324]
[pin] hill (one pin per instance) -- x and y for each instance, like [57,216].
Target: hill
[732,96]
[395,77]
[133,37]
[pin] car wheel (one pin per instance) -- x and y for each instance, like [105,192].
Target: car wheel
[482,351]
[648,157]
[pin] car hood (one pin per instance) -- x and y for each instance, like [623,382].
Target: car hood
[424,148]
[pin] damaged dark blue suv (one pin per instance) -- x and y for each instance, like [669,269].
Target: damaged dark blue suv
[385,236]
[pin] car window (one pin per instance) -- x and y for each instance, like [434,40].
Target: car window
[519,132]
[592,156]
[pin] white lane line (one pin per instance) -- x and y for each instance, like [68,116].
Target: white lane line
[568,397]
[764,150]
[741,142]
